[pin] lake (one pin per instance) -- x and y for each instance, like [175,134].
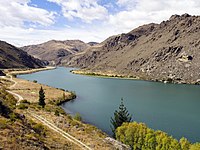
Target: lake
[172,108]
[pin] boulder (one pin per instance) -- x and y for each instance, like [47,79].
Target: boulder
[1,73]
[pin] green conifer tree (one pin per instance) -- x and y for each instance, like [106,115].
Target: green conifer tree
[120,116]
[42,98]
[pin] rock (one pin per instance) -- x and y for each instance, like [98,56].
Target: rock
[197,82]
[185,58]
[165,82]
[118,145]
[186,15]
[174,17]
[1,73]
[187,65]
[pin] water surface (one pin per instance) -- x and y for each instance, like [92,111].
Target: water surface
[172,108]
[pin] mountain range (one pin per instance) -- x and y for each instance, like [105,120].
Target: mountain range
[55,51]
[168,51]
[13,57]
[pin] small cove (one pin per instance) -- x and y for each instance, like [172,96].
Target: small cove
[168,107]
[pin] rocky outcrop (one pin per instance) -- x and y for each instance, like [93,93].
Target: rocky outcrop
[168,51]
[118,145]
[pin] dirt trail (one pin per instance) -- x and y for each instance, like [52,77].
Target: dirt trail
[19,97]
[44,121]
[60,131]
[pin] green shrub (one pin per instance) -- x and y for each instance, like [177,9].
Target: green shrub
[13,117]
[35,106]
[89,129]
[31,122]
[34,81]
[10,101]
[69,117]
[195,146]
[139,136]
[39,129]
[57,113]
[61,111]
[185,144]
[3,123]
[74,123]
[25,101]
[72,95]
[77,117]
[22,106]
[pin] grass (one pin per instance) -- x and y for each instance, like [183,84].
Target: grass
[77,117]
[104,75]
[54,113]
[39,128]
[15,72]
[22,106]
[3,123]
[30,91]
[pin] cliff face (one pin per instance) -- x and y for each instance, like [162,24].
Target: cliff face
[166,51]
[12,57]
[55,51]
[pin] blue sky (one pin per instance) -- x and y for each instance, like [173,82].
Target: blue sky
[24,22]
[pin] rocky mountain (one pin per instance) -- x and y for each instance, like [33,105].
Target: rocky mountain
[92,43]
[12,57]
[168,51]
[55,51]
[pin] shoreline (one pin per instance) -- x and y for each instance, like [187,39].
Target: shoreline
[124,77]
[103,75]
[59,101]
[12,73]
[53,110]
[27,71]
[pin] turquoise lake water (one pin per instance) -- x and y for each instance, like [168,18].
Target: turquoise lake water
[172,108]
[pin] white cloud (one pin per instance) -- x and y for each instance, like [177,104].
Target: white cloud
[86,10]
[21,37]
[131,14]
[129,4]
[16,12]
[139,12]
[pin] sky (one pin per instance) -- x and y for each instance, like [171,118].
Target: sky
[25,22]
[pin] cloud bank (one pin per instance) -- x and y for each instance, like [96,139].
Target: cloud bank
[23,23]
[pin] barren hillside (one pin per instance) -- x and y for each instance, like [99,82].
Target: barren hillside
[55,51]
[12,57]
[166,51]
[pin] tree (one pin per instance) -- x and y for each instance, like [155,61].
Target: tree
[120,117]
[78,117]
[139,137]
[195,146]
[42,98]
[185,144]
